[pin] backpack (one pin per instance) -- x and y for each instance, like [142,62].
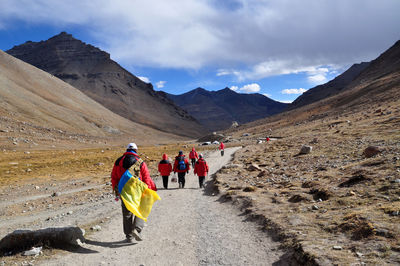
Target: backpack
[181,163]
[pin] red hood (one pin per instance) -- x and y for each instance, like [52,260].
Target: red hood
[165,157]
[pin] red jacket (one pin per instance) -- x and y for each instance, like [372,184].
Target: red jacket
[221,146]
[123,163]
[176,170]
[201,167]
[164,166]
[193,154]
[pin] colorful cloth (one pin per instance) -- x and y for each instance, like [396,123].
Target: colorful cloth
[137,197]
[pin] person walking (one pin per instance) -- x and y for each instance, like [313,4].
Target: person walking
[165,169]
[182,167]
[201,170]
[132,225]
[221,148]
[193,155]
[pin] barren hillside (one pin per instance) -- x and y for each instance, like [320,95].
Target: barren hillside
[36,107]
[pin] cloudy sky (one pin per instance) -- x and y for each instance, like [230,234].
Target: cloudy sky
[277,48]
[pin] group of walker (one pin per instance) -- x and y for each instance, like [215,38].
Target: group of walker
[182,167]
[132,224]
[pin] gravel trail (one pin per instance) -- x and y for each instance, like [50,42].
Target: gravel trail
[187,227]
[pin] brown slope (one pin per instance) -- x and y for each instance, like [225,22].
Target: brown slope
[330,88]
[36,106]
[93,72]
[378,84]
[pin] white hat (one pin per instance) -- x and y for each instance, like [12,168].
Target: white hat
[131,146]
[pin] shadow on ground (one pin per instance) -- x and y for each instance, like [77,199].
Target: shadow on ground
[112,244]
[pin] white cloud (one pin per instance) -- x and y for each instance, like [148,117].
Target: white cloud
[223,72]
[144,79]
[317,79]
[315,74]
[267,95]
[286,101]
[293,91]
[249,88]
[193,34]
[160,84]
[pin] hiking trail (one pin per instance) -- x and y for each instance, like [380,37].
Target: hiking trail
[187,227]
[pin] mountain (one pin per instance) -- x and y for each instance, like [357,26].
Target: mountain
[377,83]
[37,108]
[372,91]
[93,72]
[216,110]
[330,88]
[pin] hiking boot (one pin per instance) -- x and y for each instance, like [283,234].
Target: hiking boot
[129,240]
[137,235]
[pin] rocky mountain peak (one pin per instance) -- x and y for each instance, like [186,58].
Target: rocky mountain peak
[61,50]
[91,70]
[62,36]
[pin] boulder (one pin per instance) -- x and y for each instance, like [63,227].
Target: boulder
[20,240]
[305,149]
[371,151]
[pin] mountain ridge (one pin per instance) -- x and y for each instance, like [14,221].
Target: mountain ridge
[93,72]
[217,110]
[330,88]
[377,84]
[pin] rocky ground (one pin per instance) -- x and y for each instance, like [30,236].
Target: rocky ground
[339,202]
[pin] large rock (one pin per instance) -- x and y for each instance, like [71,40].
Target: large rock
[371,151]
[305,149]
[20,240]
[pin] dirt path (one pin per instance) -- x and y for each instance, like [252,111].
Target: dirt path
[186,227]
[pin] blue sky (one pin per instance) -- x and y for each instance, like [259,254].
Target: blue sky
[278,48]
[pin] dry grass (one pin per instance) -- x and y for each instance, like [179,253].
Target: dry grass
[31,173]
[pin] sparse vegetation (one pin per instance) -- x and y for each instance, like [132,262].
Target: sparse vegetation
[335,196]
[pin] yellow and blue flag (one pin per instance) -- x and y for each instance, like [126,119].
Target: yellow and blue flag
[135,194]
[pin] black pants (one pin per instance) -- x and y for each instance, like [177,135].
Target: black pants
[193,162]
[181,179]
[222,152]
[165,181]
[130,222]
[201,181]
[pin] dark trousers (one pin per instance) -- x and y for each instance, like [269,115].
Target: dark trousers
[165,181]
[181,179]
[201,181]
[130,222]
[193,162]
[222,152]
